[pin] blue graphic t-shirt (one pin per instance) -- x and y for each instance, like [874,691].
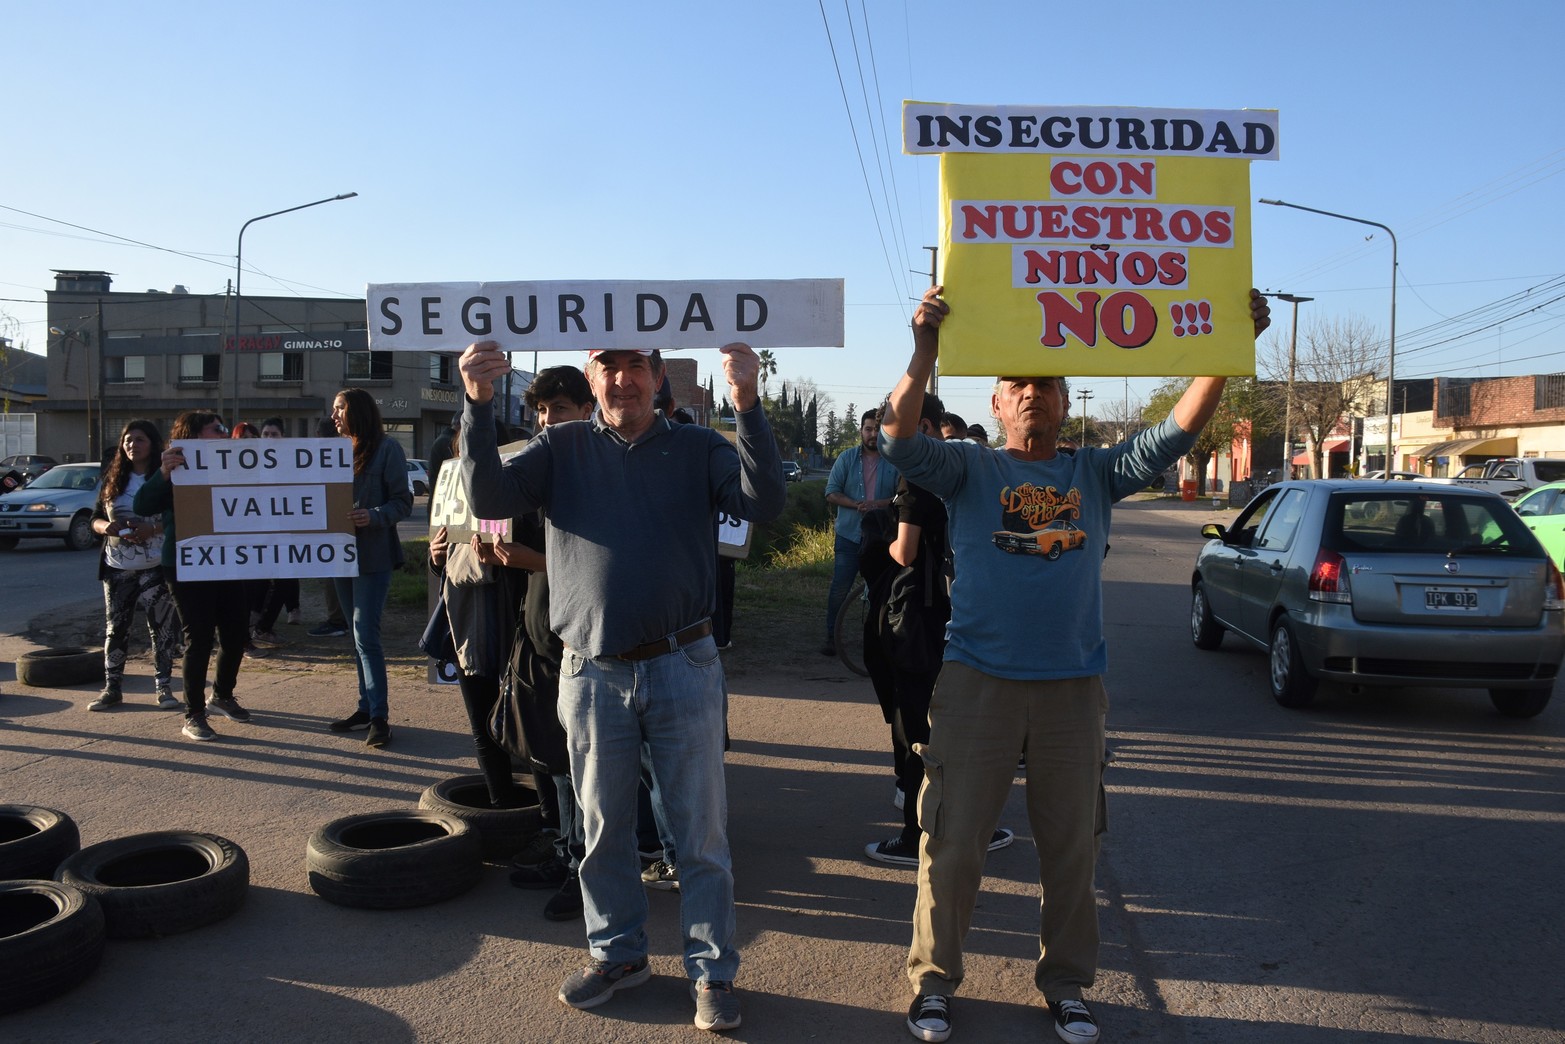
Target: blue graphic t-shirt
[1027,539]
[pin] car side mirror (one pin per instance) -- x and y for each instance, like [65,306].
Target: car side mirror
[1215,531]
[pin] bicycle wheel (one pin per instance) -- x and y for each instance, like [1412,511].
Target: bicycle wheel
[850,628]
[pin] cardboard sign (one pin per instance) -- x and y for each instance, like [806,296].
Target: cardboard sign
[449,506]
[577,315]
[263,508]
[1094,241]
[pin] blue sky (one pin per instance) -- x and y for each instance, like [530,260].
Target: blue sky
[711,140]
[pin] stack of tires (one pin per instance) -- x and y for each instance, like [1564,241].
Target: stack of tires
[59,902]
[404,858]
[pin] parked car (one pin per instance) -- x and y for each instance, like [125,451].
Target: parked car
[792,472]
[1051,541]
[1544,512]
[57,504]
[418,476]
[1396,476]
[27,465]
[1399,583]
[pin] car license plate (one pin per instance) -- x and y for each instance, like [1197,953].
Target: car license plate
[1458,599]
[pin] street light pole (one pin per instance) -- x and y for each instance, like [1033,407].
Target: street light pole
[1287,410]
[1084,395]
[239,259]
[1391,349]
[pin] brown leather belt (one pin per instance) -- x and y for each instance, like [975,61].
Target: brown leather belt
[664,646]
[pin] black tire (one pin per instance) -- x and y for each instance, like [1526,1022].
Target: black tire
[1206,632]
[34,841]
[57,668]
[161,883]
[1053,552]
[80,536]
[848,634]
[1292,685]
[51,939]
[502,832]
[8,543]
[1521,703]
[393,860]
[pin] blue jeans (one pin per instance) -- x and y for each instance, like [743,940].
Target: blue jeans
[366,595]
[568,846]
[667,711]
[844,568]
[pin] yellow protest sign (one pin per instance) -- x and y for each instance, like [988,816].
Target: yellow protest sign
[1094,241]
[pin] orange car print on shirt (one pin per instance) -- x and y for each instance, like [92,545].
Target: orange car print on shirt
[1037,521]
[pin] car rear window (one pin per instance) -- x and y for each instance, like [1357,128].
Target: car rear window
[1425,521]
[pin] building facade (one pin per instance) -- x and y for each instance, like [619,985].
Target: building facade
[115,356]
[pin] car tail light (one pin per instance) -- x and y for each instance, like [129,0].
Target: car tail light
[1554,590]
[1329,579]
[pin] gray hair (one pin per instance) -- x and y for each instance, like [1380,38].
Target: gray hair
[1063,383]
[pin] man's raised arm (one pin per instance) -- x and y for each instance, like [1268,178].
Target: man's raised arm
[900,419]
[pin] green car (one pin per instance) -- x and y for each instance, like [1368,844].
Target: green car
[1543,509]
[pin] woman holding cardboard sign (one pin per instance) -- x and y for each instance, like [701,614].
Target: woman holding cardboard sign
[204,606]
[381,499]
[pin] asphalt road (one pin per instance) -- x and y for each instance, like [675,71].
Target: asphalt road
[1383,867]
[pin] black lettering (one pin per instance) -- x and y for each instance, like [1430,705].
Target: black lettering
[1056,132]
[483,325]
[760,312]
[386,309]
[252,506]
[426,307]
[302,458]
[269,455]
[1132,135]
[695,312]
[988,132]
[1084,128]
[571,307]
[642,301]
[248,458]
[925,122]
[1259,140]
[952,129]
[608,313]
[1223,139]
[1187,135]
[299,554]
[532,314]
[1024,132]
[228,506]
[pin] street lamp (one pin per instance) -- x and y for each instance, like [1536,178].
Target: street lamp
[239,255]
[1287,410]
[1391,350]
[1084,395]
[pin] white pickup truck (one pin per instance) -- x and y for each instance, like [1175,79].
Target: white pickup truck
[1509,476]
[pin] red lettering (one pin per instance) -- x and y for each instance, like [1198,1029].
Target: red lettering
[1171,268]
[1185,226]
[1142,319]
[1219,227]
[1080,319]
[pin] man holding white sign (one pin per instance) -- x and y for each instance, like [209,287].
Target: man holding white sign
[632,551]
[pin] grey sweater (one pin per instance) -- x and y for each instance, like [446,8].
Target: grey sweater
[632,536]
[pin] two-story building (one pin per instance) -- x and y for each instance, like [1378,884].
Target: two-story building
[114,356]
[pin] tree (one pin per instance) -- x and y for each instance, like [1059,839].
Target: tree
[1334,369]
[1242,398]
[768,367]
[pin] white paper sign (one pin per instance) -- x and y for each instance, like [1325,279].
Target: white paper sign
[577,315]
[733,536]
[233,556]
[217,462]
[268,509]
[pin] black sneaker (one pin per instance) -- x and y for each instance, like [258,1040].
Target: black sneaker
[197,728]
[930,1017]
[228,707]
[357,720]
[540,848]
[326,630]
[1073,1022]
[661,875]
[898,851]
[550,874]
[380,735]
[107,700]
[717,1005]
[566,904]
[597,982]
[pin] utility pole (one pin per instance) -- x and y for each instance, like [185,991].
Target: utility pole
[1084,395]
[933,385]
[1287,410]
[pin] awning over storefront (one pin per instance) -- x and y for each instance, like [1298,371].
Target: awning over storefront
[1502,447]
[1327,448]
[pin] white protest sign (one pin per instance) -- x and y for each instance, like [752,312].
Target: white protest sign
[733,536]
[263,508]
[577,315]
[448,508]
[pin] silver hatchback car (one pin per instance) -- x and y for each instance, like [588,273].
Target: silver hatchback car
[1376,583]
